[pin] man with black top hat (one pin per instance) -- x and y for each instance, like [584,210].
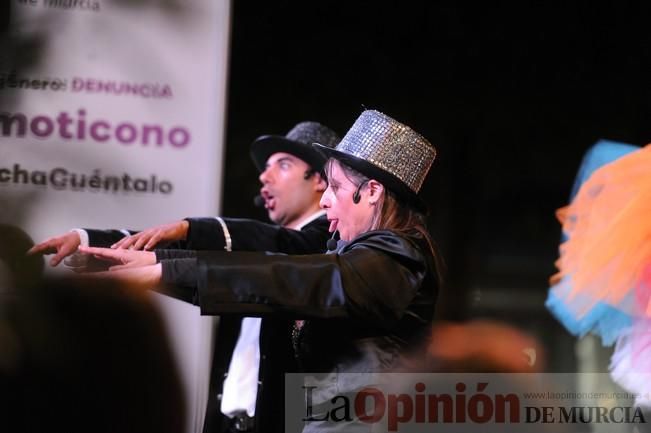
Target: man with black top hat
[252,355]
[292,184]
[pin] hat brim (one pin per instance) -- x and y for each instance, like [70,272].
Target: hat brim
[263,147]
[391,182]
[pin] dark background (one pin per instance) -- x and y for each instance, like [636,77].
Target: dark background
[511,94]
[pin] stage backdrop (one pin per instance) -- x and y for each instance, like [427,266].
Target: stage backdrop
[112,115]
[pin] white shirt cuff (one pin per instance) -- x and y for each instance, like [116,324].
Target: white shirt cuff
[83,237]
[227,235]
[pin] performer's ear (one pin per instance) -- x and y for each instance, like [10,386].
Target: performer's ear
[321,184]
[375,191]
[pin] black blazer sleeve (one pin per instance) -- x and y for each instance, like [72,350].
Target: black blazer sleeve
[251,235]
[246,235]
[104,238]
[378,277]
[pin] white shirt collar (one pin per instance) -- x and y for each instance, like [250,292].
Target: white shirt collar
[310,218]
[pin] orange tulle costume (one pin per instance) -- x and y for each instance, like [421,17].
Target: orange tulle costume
[603,284]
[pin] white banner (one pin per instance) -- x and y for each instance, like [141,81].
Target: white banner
[112,116]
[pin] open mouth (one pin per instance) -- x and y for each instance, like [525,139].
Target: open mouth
[269,200]
[333,225]
[270,203]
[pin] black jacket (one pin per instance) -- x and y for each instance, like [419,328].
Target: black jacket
[276,351]
[364,305]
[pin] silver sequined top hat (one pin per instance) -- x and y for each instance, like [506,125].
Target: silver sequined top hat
[297,142]
[386,150]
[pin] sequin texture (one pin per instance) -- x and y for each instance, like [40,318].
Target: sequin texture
[390,145]
[313,132]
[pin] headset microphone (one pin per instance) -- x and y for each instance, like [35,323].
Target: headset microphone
[356,196]
[332,242]
[258,201]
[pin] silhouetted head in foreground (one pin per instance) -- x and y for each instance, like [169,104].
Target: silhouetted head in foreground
[80,356]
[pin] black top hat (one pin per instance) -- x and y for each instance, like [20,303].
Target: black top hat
[386,150]
[297,142]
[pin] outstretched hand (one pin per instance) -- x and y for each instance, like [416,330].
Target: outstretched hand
[149,238]
[61,246]
[137,278]
[122,259]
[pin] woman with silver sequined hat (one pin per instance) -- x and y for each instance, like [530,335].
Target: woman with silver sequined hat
[386,162]
[359,307]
